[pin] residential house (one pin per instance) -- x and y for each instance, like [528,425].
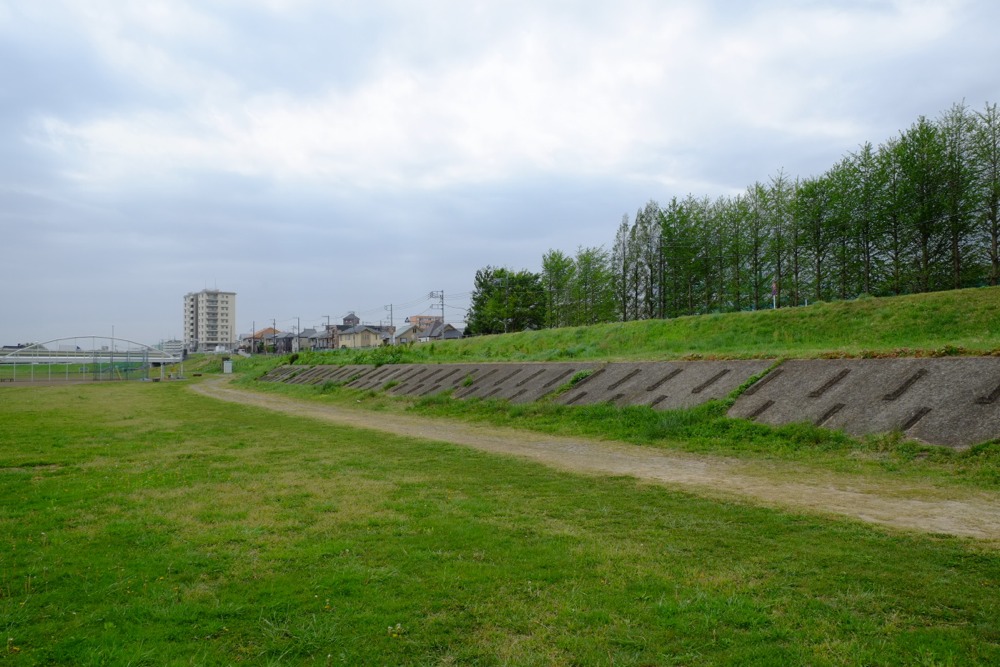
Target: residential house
[322,339]
[408,334]
[423,322]
[256,342]
[304,339]
[362,336]
[439,331]
[282,342]
[329,339]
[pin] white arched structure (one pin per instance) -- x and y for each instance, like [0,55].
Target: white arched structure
[82,358]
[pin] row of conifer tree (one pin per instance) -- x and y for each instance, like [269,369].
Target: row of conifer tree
[919,212]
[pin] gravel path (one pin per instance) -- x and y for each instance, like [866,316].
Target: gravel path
[784,485]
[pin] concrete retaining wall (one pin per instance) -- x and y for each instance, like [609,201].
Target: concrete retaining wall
[662,386]
[949,401]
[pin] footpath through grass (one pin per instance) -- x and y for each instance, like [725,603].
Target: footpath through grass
[941,324]
[704,429]
[143,524]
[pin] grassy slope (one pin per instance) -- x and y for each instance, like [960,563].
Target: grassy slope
[141,524]
[961,321]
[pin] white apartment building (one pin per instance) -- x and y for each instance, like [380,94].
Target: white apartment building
[209,320]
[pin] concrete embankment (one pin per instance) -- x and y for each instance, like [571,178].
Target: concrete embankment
[946,401]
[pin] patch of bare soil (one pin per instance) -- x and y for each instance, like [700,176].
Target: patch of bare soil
[787,486]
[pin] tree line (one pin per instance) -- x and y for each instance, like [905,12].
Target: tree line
[918,213]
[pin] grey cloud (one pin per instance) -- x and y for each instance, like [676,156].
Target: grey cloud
[123,247]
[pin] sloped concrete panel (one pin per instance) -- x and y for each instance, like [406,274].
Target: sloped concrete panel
[521,383]
[429,380]
[349,374]
[663,385]
[375,378]
[949,401]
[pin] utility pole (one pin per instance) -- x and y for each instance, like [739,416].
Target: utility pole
[439,295]
[392,324]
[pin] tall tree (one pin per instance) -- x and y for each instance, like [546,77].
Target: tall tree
[960,195]
[812,205]
[505,301]
[780,195]
[733,214]
[922,160]
[757,237]
[844,266]
[704,286]
[620,269]
[680,247]
[866,208]
[648,256]
[895,243]
[986,156]
[592,291]
[557,276]
[484,316]
[637,241]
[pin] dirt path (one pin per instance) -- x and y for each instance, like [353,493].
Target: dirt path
[953,512]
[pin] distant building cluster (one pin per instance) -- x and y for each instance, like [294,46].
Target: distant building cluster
[350,334]
[210,326]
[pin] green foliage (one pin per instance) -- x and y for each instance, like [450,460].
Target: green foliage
[577,378]
[918,213]
[504,300]
[258,365]
[577,289]
[329,386]
[380,356]
[376,356]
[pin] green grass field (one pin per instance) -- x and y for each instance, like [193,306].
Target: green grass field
[44,372]
[143,524]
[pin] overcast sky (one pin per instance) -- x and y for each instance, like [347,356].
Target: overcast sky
[318,157]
